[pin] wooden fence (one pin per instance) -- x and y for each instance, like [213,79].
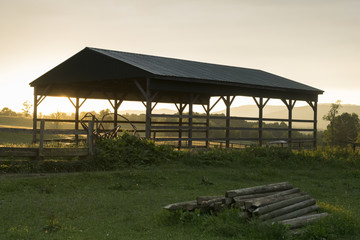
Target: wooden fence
[42,151]
[176,130]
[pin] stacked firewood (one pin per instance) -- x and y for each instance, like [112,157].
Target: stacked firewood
[278,202]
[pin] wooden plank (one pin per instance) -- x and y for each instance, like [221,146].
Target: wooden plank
[41,144]
[47,152]
[16,130]
[232,118]
[65,131]
[18,152]
[65,152]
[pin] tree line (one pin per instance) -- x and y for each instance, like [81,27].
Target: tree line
[342,130]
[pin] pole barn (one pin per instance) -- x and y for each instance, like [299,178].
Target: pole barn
[121,76]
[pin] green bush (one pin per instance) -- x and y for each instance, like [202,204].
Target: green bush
[127,151]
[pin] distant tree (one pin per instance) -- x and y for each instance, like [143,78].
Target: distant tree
[104,112]
[7,112]
[26,108]
[346,129]
[330,116]
[58,115]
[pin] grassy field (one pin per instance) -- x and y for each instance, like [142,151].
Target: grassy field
[127,204]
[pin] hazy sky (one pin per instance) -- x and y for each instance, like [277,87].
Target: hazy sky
[315,42]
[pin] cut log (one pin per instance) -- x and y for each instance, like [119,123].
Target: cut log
[229,201]
[263,201]
[301,221]
[202,199]
[297,213]
[253,196]
[259,189]
[285,210]
[189,206]
[212,201]
[240,200]
[280,204]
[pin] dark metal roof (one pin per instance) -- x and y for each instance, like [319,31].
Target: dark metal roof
[170,67]
[100,73]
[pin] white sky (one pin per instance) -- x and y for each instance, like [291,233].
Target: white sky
[315,42]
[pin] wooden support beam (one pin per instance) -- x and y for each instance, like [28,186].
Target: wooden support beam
[148,108]
[116,105]
[228,101]
[41,144]
[313,105]
[208,109]
[77,106]
[35,115]
[290,106]
[261,104]
[90,139]
[149,96]
[181,109]
[192,100]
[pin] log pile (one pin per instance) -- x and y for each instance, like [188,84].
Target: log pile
[278,202]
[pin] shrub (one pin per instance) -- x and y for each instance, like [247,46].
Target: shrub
[127,151]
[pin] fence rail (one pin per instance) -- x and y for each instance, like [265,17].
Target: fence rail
[41,151]
[163,131]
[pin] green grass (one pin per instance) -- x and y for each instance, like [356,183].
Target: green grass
[127,204]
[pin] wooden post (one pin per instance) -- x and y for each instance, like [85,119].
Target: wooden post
[208,110]
[77,106]
[228,103]
[315,124]
[116,105]
[190,122]
[149,97]
[261,104]
[35,115]
[148,110]
[313,105]
[261,121]
[290,105]
[77,120]
[192,100]
[37,101]
[181,109]
[227,121]
[41,144]
[90,137]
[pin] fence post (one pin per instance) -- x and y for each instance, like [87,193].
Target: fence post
[41,144]
[90,137]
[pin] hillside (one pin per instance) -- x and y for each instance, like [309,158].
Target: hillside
[303,112]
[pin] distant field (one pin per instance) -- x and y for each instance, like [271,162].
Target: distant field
[27,123]
[15,138]
[16,121]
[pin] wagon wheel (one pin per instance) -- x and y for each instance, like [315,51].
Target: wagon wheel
[114,131]
[90,117]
